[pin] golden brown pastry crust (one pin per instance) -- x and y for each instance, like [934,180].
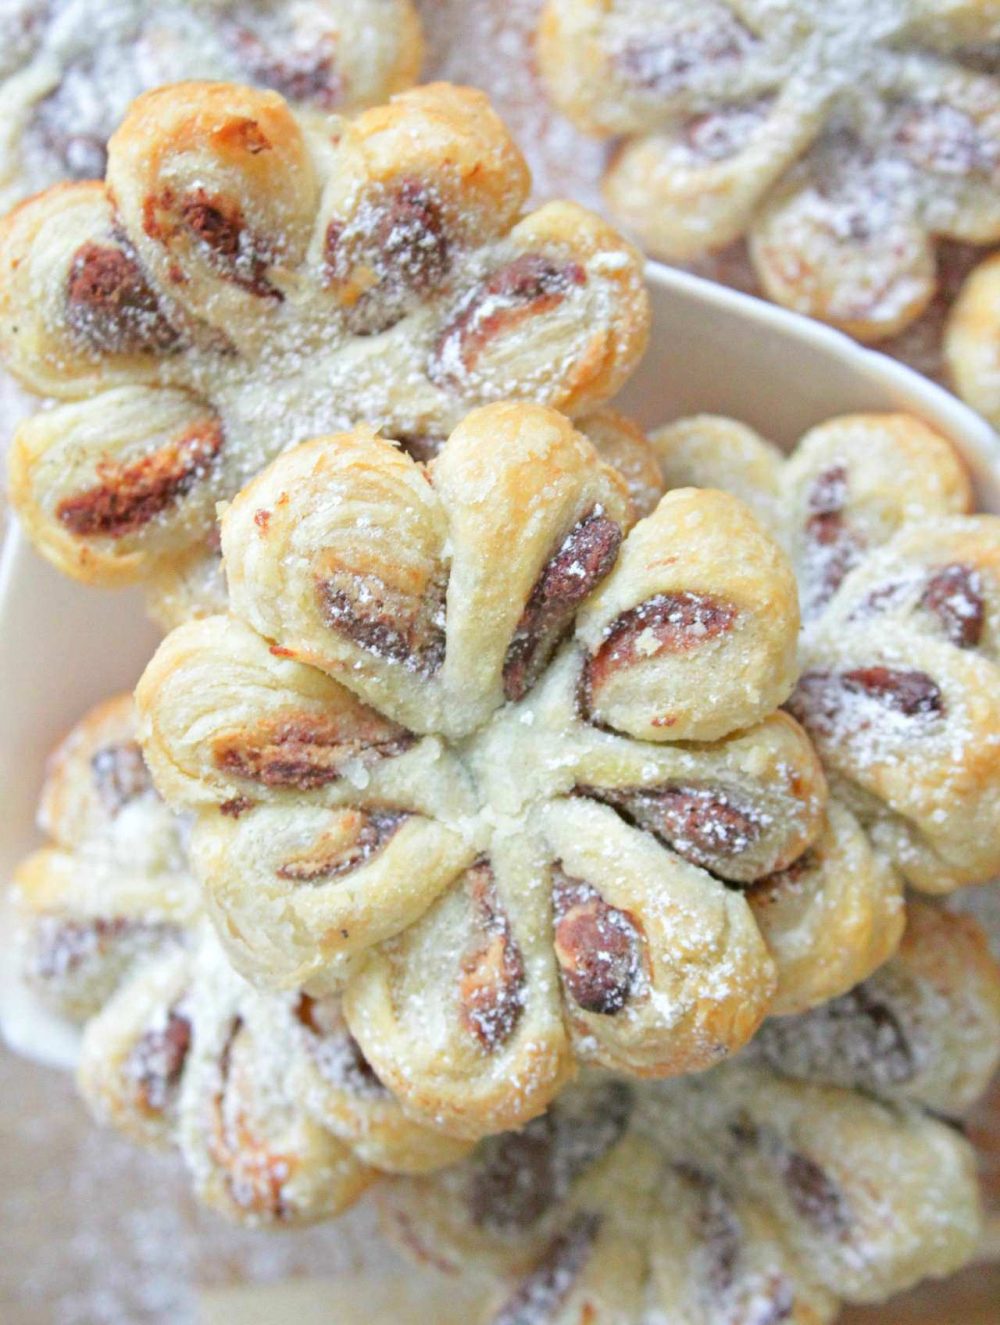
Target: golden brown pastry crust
[342,1091]
[847,487]
[512,482]
[680,620]
[135,1047]
[254,1152]
[832,917]
[193,586]
[459,1015]
[840,147]
[349,718]
[622,444]
[247,277]
[917,617]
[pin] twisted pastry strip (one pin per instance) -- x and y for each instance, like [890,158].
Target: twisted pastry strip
[747,809]
[908,726]
[654,625]
[299,894]
[742,807]
[688,999]
[134,488]
[217,187]
[135,1050]
[195,585]
[81,928]
[714,1248]
[229,721]
[277,1114]
[853,482]
[303,790]
[848,486]
[808,1152]
[363,587]
[593,1266]
[606,908]
[459,1014]
[243,267]
[849,235]
[831,917]
[254,1153]
[341,1090]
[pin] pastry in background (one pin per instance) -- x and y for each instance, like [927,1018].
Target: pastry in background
[900,591]
[70,68]
[842,141]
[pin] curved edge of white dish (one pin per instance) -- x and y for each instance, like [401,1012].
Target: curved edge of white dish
[890,383]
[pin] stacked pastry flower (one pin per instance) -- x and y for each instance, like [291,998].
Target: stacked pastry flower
[817,1170]
[481,773]
[498,805]
[247,277]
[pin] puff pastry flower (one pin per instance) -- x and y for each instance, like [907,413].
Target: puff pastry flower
[248,277]
[477,750]
[900,586]
[69,68]
[840,139]
[769,1189]
[277,1114]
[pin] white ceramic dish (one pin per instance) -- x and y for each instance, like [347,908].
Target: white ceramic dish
[63,647]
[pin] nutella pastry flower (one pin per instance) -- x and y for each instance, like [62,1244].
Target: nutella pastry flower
[841,140]
[498,763]
[70,68]
[900,654]
[248,277]
[275,1110]
[769,1189]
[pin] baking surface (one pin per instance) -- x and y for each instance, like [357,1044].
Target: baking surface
[98,1232]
